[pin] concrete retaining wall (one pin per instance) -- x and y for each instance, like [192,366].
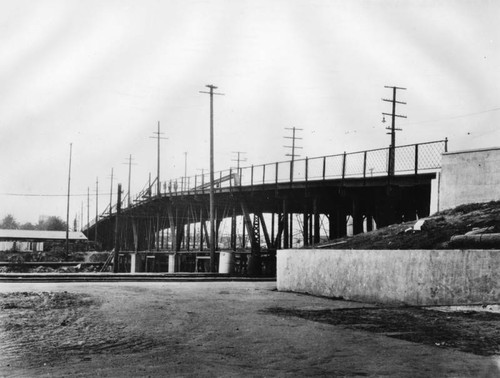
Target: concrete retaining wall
[414,277]
[469,177]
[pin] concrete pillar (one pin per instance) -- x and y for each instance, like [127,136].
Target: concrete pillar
[133,262]
[171,263]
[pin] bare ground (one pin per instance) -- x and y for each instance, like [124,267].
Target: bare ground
[436,231]
[238,329]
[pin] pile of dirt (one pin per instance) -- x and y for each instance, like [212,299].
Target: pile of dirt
[435,233]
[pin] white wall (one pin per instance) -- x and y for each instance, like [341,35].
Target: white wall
[414,277]
[469,177]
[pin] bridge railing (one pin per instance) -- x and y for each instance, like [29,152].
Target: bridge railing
[409,159]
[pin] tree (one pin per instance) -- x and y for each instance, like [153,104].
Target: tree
[9,223]
[52,223]
[28,226]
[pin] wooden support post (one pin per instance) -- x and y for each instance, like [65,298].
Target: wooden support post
[157,232]
[277,241]
[264,230]
[117,229]
[233,230]
[357,216]
[285,225]
[134,232]
[272,230]
[243,240]
[305,226]
[202,222]
[316,222]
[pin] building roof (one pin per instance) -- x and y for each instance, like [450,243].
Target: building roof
[40,235]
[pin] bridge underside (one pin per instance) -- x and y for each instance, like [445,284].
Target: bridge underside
[179,221]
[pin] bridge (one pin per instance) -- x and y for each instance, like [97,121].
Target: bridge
[272,206]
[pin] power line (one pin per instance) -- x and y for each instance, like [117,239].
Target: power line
[455,117]
[44,195]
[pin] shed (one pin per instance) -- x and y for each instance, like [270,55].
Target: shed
[32,240]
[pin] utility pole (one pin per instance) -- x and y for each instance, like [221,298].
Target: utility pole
[212,208]
[238,159]
[88,207]
[117,229]
[158,137]
[392,129]
[96,207]
[129,175]
[185,170]
[81,217]
[67,207]
[111,194]
[293,155]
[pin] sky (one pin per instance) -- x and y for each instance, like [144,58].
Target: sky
[99,75]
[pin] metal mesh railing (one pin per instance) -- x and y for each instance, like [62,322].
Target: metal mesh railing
[409,159]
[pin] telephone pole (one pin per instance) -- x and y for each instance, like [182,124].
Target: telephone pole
[185,171]
[111,194]
[212,208]
[158,137]
[88,207]
[238,159]
[293,147]
[67,207]
[129,175]
[392,129]
[96,207]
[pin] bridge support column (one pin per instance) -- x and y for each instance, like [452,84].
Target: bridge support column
[357,216]
[316,237]
[233,230]
[305,226]
[285,226]
[172,266]
[338,227]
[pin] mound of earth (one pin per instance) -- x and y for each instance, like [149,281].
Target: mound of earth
[435,233]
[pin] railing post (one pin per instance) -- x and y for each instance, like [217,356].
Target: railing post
[307,168]
[364,165]
[251,176]
[445,144]
[263,174]
[343,165]
[324,166]
[416,159]
[276,173]
[231,178]
[195,186]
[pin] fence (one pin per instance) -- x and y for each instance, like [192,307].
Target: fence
[409,159]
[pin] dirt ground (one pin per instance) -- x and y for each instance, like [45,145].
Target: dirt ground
[228,329]
[434,234]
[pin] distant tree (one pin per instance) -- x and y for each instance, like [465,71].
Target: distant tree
[52,223]
[9,223]
[28,226]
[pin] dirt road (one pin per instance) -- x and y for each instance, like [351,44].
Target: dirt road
[200,330]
